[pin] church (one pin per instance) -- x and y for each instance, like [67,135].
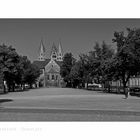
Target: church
[50,67]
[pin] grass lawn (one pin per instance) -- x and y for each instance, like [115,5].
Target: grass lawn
[68,104]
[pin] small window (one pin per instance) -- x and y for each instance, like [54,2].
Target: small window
[48,77]
[54,55]
[56,77]
[52,77]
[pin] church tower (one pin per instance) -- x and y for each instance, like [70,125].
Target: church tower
[60,53]
[41,52]
[54,52]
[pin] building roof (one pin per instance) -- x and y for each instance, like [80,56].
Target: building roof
[52,70]
[42,64]
[59,62]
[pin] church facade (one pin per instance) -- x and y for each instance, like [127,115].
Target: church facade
[50,67]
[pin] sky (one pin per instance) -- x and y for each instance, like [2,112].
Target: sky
[76,35]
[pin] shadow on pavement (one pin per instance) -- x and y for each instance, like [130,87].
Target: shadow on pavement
[5,100]
[20,90]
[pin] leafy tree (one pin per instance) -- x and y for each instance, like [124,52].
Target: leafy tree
[86,68]
[15,69]
[126,63]
[77,75]
[31,74]
[90,67]
[68,62]
[27,72]
[102,55]
[8,61]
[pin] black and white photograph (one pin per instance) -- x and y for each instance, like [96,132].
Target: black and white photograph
[70,69]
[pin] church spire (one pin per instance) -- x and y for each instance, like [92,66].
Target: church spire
[54,52]
[60,53]
[41,52]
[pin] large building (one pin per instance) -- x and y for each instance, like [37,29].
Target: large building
[50,66]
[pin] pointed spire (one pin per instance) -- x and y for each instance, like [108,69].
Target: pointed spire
[54,52]
[42,46]
[60,53]
[41,51]
[54,49]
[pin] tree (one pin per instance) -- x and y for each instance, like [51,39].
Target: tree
[102,55]
[22,66]
[126,62]
[8,61]
[31,74]
[90,67]
[27,72]
[68,62]
[86,68]
[15,69]
[80,72]
[76,75]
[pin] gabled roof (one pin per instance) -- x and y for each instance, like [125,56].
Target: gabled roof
[58,62]
[42,64]
[52,70]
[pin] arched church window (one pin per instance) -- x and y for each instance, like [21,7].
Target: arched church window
[48,77]
[56,77]
[52,77]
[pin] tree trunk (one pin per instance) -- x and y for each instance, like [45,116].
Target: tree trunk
[124,88]
[108,87]
[83,84]
[23,87]
[4,89]
[13,87]
[125,79]
[9,87]
[87,85]
[30,86]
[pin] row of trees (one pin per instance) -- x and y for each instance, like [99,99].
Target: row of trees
[89,67]
[105,63]
[16,69]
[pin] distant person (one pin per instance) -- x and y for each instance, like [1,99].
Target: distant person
[127,92]
[5,86]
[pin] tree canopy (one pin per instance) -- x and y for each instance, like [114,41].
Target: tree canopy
[15,69]
[68,63]
[126,62]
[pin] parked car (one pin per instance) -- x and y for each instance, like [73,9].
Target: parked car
[94,85]
[135,91]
